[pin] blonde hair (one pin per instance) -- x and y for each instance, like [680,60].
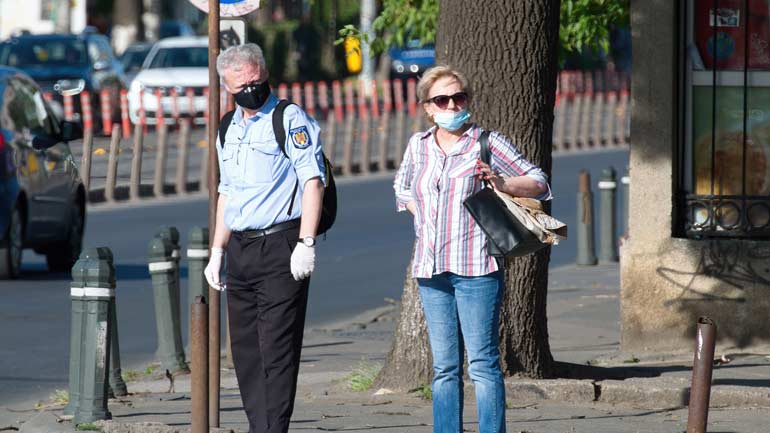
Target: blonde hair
[436,73]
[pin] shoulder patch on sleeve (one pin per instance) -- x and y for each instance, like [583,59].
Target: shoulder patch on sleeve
[300,137]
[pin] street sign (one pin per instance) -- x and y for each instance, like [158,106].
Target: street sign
[229,8]
[232,31]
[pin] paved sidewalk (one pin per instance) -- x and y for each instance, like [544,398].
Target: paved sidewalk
[584,328]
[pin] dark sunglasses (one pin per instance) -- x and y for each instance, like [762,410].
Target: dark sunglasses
[442,101]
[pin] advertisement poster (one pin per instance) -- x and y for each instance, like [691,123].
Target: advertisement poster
[721,34]
[728,131]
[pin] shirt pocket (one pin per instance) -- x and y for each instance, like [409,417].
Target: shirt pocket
[261,161]
[228,155]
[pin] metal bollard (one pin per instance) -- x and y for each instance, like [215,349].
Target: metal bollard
[182,161]
[197,259]
[98,277]
[626,181]
[163,271]
[702,366]
[135,181]
[199,348]
[112,164]
[586,253]
[76,332]
[117,384]
[608,249]
[161,156]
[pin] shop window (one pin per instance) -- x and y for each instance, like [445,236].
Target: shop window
[724,160]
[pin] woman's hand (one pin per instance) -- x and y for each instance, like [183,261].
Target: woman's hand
[484,172]
[412,207]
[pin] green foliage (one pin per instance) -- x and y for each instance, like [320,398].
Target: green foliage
[130,375]
[399,22]
[583,23]
[363,376]
[60,397]
[587,23]
[88,427]
[424,391]
[632,360]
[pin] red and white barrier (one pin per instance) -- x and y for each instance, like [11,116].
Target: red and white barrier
[337,100]
[375,101]
[296,93]
[124,120]
[85,106]
[309,99]
[283,91]
[398,91]
[69,108]
[48,96]
[159,115]
[411,97]
[106,105]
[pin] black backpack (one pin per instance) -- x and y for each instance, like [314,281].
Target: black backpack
[329,207]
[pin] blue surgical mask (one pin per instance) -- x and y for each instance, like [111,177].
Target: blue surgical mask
[451,120]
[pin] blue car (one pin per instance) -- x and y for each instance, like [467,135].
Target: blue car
[411,60]
[42,200]
[80,62]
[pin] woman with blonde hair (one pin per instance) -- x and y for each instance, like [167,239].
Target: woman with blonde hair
[460,284]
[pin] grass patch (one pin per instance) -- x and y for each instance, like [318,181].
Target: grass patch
[632,360]
[87,427]
[130,375]
[149,370]
[60,396]
[363,376]
[424,392]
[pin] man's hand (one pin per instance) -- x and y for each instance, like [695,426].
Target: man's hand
[302,261]
[212,269]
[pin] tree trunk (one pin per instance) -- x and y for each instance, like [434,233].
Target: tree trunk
[409,363]
[127,22]
[508,51]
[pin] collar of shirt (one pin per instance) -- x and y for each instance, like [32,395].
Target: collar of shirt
[465,140]
[265,110]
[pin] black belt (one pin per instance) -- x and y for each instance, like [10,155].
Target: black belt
[280,227]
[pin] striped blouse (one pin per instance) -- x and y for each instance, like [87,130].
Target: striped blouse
[447,237]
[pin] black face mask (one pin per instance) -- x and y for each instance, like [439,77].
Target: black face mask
[253,95]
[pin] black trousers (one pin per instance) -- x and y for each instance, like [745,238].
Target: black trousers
[267,316]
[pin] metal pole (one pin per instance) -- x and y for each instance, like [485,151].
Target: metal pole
[79,272]
[199,345]
[136,163]
[163,273]
[182,156]
[112,165]
[161,154]
[608,249]
[700,389]
[99,287]
[586,253]
[213,170]
[117,384]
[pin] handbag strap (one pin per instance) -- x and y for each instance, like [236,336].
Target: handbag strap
[486,155]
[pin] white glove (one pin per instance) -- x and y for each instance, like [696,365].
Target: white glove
[302,261]
[212,269]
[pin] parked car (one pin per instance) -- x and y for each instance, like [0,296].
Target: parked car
[42,200]
[173,63]
[84,61]
[133,58]
[411,60]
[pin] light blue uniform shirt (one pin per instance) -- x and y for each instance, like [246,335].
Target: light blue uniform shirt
[257,178]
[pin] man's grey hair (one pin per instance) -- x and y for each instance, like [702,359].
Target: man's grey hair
[237,57]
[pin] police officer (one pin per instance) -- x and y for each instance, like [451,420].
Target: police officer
[267,233]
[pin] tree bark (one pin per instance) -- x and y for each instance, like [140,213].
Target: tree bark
[508,51]
[409,363]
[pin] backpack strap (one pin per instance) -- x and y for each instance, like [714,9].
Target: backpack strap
[227,119]
[278,129]
[280,137]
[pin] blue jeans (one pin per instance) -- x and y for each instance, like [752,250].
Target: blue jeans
[465,310]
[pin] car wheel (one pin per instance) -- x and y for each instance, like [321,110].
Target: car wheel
[62,257]
[10,253]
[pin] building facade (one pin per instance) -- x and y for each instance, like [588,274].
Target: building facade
[700,174]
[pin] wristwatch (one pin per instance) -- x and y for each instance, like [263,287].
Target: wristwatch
[309,241]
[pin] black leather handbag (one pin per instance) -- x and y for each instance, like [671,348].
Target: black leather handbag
[506,235]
